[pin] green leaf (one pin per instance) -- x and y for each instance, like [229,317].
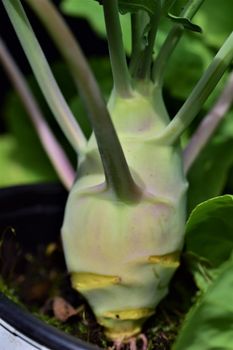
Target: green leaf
[185,22]
[187,64]
[21,164]
[201,270]
[204,274]
[214,17]
[209,173]
[209,230]
[207,178]
[209,324]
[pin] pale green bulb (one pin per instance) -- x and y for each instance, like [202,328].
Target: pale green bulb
[121,255]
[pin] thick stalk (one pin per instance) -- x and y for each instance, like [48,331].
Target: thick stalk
[120,71]
[136,40]
[145,66]
[51,146]
[138,23]
[208,125]
[116,170]
[136,32]
[171,41]
[200,93]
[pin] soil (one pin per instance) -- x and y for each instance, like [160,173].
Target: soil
[38,281]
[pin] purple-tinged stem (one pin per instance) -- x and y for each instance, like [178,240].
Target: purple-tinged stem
[53,149]
[208,125]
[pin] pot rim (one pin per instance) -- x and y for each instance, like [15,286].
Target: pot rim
[37,330]
[14,315]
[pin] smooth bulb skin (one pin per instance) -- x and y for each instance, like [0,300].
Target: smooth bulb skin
[121,256]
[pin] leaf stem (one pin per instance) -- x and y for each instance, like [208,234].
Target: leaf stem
[200,93]
[72,53]
[136,39]
[120,71]
[144,71]
[208,125]
[116,170]
[53,149]
[44,75]
[171,41]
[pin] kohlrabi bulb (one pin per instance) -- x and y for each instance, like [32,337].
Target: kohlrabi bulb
[122,255]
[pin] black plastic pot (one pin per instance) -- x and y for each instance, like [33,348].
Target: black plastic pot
[36,212]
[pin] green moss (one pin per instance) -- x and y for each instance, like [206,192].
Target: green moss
[10,293]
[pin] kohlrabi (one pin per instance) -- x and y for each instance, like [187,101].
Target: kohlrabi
[123,230]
